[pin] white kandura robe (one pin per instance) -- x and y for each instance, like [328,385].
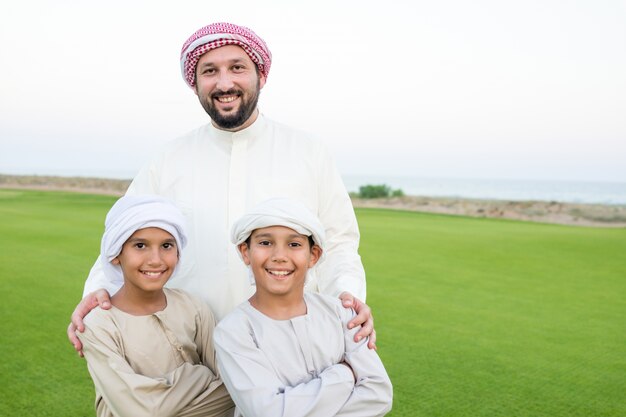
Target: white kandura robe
[161,364]
[292,367]
[215,176]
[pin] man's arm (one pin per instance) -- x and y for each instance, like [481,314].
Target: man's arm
[98,291]
[89,302]
[363,318]
[342,274]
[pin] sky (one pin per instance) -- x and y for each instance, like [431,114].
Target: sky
[430,89]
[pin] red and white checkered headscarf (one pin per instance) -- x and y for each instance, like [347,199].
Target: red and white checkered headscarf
[216,35]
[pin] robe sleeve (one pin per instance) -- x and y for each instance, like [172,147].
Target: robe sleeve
[342,270]
[181,392]
[257,391]
[205,329]
[373,392]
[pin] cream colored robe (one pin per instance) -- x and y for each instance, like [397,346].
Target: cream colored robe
[156,365]
[215,176]
[293,367]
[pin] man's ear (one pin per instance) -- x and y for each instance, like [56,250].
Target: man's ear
[244,250]
[316,254]
[262,81]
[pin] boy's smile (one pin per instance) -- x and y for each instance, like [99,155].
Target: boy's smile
[148,259]
[280,258]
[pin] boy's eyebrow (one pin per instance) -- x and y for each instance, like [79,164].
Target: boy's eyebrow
[291,236]
[141,239]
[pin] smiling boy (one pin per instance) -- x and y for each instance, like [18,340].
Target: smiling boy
[287,352]
[152,353]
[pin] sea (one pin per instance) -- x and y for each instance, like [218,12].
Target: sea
[608,193]
[586,192]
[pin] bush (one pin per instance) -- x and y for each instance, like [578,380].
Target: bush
[378,191]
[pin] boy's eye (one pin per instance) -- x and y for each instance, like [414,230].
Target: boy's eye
[140,245]
[168,245]
[264,242]
[295,244]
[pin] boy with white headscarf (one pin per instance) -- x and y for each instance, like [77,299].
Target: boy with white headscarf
[287,352]
[152,353]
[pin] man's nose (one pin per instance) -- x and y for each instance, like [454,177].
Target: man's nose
[224,81]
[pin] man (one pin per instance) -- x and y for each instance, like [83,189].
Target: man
[215,173]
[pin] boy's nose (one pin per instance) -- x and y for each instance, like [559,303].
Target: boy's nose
[278,255]
[154,258]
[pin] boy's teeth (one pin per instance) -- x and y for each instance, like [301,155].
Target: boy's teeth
[151,273]
[279,272]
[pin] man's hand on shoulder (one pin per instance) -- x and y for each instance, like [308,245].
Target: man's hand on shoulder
[92,300]
[363,318]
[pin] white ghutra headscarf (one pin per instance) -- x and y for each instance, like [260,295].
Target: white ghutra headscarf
[132,213]
[279,211]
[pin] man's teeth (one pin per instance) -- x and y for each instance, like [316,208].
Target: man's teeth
[228,99]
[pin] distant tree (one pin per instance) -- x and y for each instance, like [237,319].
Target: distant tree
[374,191]
[378,191]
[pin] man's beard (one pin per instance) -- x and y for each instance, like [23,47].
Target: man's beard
[246,108]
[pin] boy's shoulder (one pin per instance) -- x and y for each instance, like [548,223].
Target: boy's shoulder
[237,317]
[98,317]
[323,300]
[328,304]
[101,323]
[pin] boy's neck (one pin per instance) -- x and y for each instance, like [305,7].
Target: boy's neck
[279,307]
[139,303]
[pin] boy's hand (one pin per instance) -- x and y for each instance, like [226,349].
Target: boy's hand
[92,300]
[363,318]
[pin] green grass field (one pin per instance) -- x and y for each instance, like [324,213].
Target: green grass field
[475,317]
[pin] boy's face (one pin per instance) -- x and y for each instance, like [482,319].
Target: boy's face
[280,258]
[148,259]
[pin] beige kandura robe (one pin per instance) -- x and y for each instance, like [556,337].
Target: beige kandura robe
[161,364]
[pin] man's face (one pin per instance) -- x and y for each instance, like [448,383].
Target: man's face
[228,86]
